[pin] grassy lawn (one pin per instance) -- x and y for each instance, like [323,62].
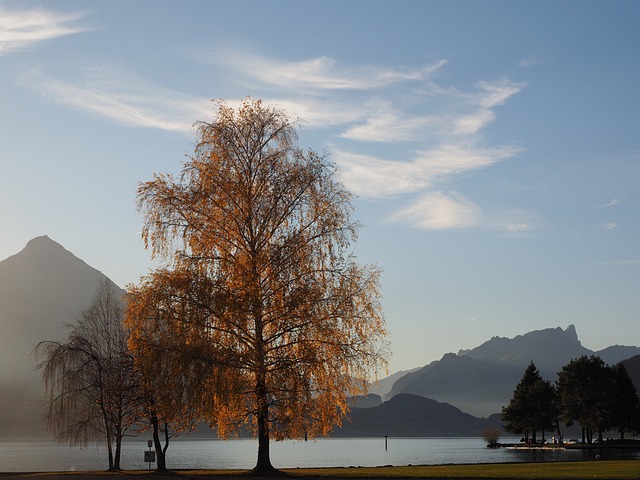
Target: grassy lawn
[599,469]
[611,470]
[623,469]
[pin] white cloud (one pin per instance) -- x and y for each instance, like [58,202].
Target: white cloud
[125,99]
[372,177]
[439,211]
[608,226]
[613,263]
[610,203]
[497,93]
[390,127]
[458,114]
[532,61]
[22,29]
[442,126]
[316,112]
[322,73]
[474,122]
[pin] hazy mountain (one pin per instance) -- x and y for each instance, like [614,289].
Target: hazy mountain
[475,386]
[548,348]
[617,353]
[42,288]
[481,380]
[410,416]
[383,386]
[360,401]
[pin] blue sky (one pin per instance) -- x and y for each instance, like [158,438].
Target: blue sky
[494,146]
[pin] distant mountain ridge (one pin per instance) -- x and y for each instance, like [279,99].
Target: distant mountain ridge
[407,415]
[548,348]
[42,288]
[481,381]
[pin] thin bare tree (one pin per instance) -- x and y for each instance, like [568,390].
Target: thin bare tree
[93,393]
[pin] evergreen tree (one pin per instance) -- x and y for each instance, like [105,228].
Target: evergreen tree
[585,389]
[626,411]
[532,406]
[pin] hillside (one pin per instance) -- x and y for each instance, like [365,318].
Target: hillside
[411,416]
[42,288]
[481,380]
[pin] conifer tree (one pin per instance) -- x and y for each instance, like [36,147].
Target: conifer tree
[532,406]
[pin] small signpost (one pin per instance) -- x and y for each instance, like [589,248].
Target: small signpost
[149,455]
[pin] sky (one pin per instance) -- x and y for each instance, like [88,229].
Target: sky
[493,147]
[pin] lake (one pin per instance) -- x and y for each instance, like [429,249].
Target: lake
[241,454]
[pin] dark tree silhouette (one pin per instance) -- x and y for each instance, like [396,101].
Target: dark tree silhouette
[532,406]
[585,389]
[626,411]
[93,392]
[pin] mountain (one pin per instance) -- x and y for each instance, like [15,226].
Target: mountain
[42,288]
[408,415]
[383,386]
[481,381]
[475,386]
[548,348]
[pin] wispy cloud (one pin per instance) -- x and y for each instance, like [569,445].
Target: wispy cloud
[390,127]
[610,203]
[372,177]
[125,99]
[315,74]
[438,210]
[441,211]
[608,226]
[440,127]
[21,29]
[532,61]
[613,263]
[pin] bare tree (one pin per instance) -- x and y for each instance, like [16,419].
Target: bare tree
[90,382]
[268,314]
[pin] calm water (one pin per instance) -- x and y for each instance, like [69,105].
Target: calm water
[344,452]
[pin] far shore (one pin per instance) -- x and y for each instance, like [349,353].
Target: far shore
[610,444]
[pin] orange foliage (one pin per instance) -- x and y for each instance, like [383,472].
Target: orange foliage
[259,315]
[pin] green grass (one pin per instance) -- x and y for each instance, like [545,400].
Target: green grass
[611,470]
[582,470]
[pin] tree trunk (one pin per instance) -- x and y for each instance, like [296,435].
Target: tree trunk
[264,460]
[160,452]
[110,452]
[116,460]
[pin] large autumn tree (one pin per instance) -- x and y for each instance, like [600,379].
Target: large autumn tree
[266,317]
